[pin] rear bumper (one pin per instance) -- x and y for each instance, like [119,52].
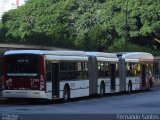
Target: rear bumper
[23,94]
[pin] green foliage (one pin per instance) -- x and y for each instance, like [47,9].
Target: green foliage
[2,33]
[121,46]
[85,24]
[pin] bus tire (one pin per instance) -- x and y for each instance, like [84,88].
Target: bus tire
[102,89]
[66,93]
[129,87]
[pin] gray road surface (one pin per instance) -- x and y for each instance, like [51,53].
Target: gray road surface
[137,103]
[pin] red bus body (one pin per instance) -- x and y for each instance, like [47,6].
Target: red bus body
[23,76]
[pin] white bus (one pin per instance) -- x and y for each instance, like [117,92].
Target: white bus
[70,74]
[136,70]
[103,72]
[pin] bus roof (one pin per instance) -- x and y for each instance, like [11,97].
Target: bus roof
[102,54]
[45,52]
[136,55]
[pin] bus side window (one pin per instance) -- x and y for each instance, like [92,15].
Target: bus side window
[128,68]
[103,69]
[133,69]
[82,69]
[85,70]
[64,71]
[137,69]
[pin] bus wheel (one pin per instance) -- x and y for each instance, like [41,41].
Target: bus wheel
[102,89]
[66,94]
[130,87]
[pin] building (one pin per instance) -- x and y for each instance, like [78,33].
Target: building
[6,5]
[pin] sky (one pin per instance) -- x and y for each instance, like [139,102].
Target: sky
[6,5]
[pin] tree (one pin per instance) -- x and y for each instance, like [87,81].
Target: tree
[85,24]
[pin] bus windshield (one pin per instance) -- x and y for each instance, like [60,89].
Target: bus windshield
[22,65]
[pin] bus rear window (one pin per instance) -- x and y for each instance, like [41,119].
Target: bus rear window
[22,65]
